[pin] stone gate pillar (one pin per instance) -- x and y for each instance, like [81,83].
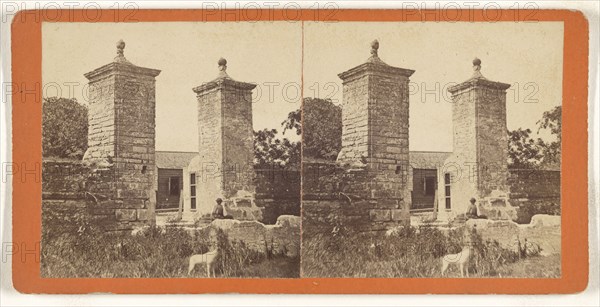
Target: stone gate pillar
[226,146]
[375,133]
[121,137]
[479,163]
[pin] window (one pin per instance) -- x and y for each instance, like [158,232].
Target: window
[193,191]
[447,190]
[429,187]
[174,186]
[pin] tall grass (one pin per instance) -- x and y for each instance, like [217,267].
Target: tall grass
[409,252]
[81,250]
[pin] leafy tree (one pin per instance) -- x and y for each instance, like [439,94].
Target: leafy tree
[523,151]
[527,152]
[64,128]
[321,139]
[552,120]
[293,122]
[322,133]
[271,151]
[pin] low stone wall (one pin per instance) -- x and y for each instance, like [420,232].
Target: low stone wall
[334,196]
[544,231]
[534,184]
[281,238]
[277,193]
[534,192]
[74,191]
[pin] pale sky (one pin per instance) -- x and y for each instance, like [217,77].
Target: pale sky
[266,53]
[526,55]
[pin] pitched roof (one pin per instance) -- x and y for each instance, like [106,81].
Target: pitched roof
[427,159]
[174,159]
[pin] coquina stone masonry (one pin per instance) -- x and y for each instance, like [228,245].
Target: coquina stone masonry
[480,154]
[121,139]
[226,145]
[374,157]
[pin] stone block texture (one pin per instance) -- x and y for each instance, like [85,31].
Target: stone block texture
[277,193]
[121,137]
[535,191]
[333,196]
[480,155]
[226,145]
[375,113]
[282,238]
[544,232]
[75,194]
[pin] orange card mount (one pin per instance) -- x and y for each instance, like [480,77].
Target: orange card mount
[27,42]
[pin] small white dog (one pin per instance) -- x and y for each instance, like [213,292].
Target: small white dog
[208,258]
[461,259]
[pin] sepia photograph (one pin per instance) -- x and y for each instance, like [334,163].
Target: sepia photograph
[293,148]
[432,150]
[175,151]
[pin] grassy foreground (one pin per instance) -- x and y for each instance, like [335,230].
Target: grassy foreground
[153,253]
[413,252]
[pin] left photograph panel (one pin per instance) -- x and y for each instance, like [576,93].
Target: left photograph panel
[171,149]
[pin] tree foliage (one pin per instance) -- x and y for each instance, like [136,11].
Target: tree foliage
[523,151]
[322,133]
[269,150]
[64,128]
[293,122]
[526,152]
[320,124]
[552,121]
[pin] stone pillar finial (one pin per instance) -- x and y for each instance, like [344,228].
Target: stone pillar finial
[223,68]
[222,64]
[374,47]
[120,47]
[120,58]
[477,69]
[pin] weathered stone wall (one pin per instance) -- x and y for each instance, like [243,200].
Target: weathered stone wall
[534,184]
[355,119]
[374,150]
[277,193]
[134,160]
[492,140]
[388,110]
[101,119]
[209,178]
[544,232]
[121,135]
[335,196]
[238,144]
[375,125]
[282,238]
[225,166]
[72,191]
[480,151]
[534,192]
[461,163]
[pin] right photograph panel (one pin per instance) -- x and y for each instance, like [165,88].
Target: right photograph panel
[432,150]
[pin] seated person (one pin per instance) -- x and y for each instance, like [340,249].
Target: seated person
[472,210]
[218,211]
